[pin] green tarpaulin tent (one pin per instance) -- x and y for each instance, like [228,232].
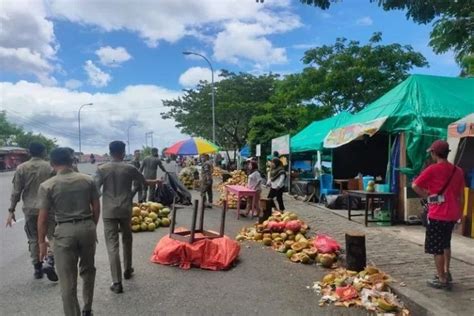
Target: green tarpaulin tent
[312,136]
[421,106]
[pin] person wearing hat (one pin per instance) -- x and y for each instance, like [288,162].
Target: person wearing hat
[206,180]
[74,200]
[26,181]
[442,184]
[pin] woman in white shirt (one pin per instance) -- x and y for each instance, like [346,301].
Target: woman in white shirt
[276,182]
[255,183]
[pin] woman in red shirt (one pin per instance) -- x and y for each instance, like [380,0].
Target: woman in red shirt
[442,184]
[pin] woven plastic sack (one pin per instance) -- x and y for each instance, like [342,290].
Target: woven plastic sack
[210,254]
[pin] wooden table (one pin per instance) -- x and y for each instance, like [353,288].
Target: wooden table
[342,183]
[370,197]
[240,191]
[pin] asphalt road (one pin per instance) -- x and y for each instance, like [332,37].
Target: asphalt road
[262,283]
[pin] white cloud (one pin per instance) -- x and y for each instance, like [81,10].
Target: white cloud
[191,77]
[305,46]
[247,40]
[365,21]
[27,42]
[97,77]
[172,20]
[73,84]
[53,112]
[112,56]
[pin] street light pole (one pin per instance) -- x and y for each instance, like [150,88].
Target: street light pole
[79,124]
[212,93]
[128,137]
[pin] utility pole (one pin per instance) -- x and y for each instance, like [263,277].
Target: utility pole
[128,137]
[150,135]
[79,125]
[213,106]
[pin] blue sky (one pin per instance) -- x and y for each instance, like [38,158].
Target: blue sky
[125,56]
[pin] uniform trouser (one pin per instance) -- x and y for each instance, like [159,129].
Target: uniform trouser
[151,192]
[206,188]
[31,229]
[75,242]
[111,229]
[138,188]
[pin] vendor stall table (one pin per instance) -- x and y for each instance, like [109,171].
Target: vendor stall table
[370,198]
[240,191]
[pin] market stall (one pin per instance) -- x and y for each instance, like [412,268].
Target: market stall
[406,120]
[309,156]
[461,142]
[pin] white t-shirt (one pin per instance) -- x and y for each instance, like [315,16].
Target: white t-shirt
[255,181]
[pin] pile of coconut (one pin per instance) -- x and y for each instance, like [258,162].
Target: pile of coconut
[287,234]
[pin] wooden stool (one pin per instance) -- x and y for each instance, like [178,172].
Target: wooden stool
[189,235]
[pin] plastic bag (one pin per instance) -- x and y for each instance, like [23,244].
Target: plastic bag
[326,244]
[346,293]
[164,194]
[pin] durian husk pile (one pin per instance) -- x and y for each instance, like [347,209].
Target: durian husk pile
[217,172]
[149,216]
[368,289]
[186,176]
[293,243]
[238,177]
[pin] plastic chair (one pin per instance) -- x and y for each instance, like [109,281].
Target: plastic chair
[325,186]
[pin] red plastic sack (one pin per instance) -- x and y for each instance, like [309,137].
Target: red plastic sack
[210,254]
[326,244]
[346,293]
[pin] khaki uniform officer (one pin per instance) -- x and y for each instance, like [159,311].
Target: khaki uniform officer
[74,199]
[26,181]
[116,178]
[149,168]
[206,180]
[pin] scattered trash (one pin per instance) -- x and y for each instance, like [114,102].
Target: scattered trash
[367,289]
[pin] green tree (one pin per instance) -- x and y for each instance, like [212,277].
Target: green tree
[347,76]
[467,66]
[238,97]
[12,134]
[453,27]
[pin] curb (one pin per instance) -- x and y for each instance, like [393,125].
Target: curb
[419,304]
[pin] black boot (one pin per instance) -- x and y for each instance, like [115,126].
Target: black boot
[116,288]
[128,274]
[48,268]
[38,270]
[87,313]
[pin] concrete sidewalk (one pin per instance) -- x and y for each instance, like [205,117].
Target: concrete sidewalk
[399,251]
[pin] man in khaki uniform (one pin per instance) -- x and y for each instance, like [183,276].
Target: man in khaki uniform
[116,178]
[149,168]
[26,181]
[206,180]
[74,200]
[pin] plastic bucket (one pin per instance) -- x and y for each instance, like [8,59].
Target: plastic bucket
[382,188]
[365,181]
